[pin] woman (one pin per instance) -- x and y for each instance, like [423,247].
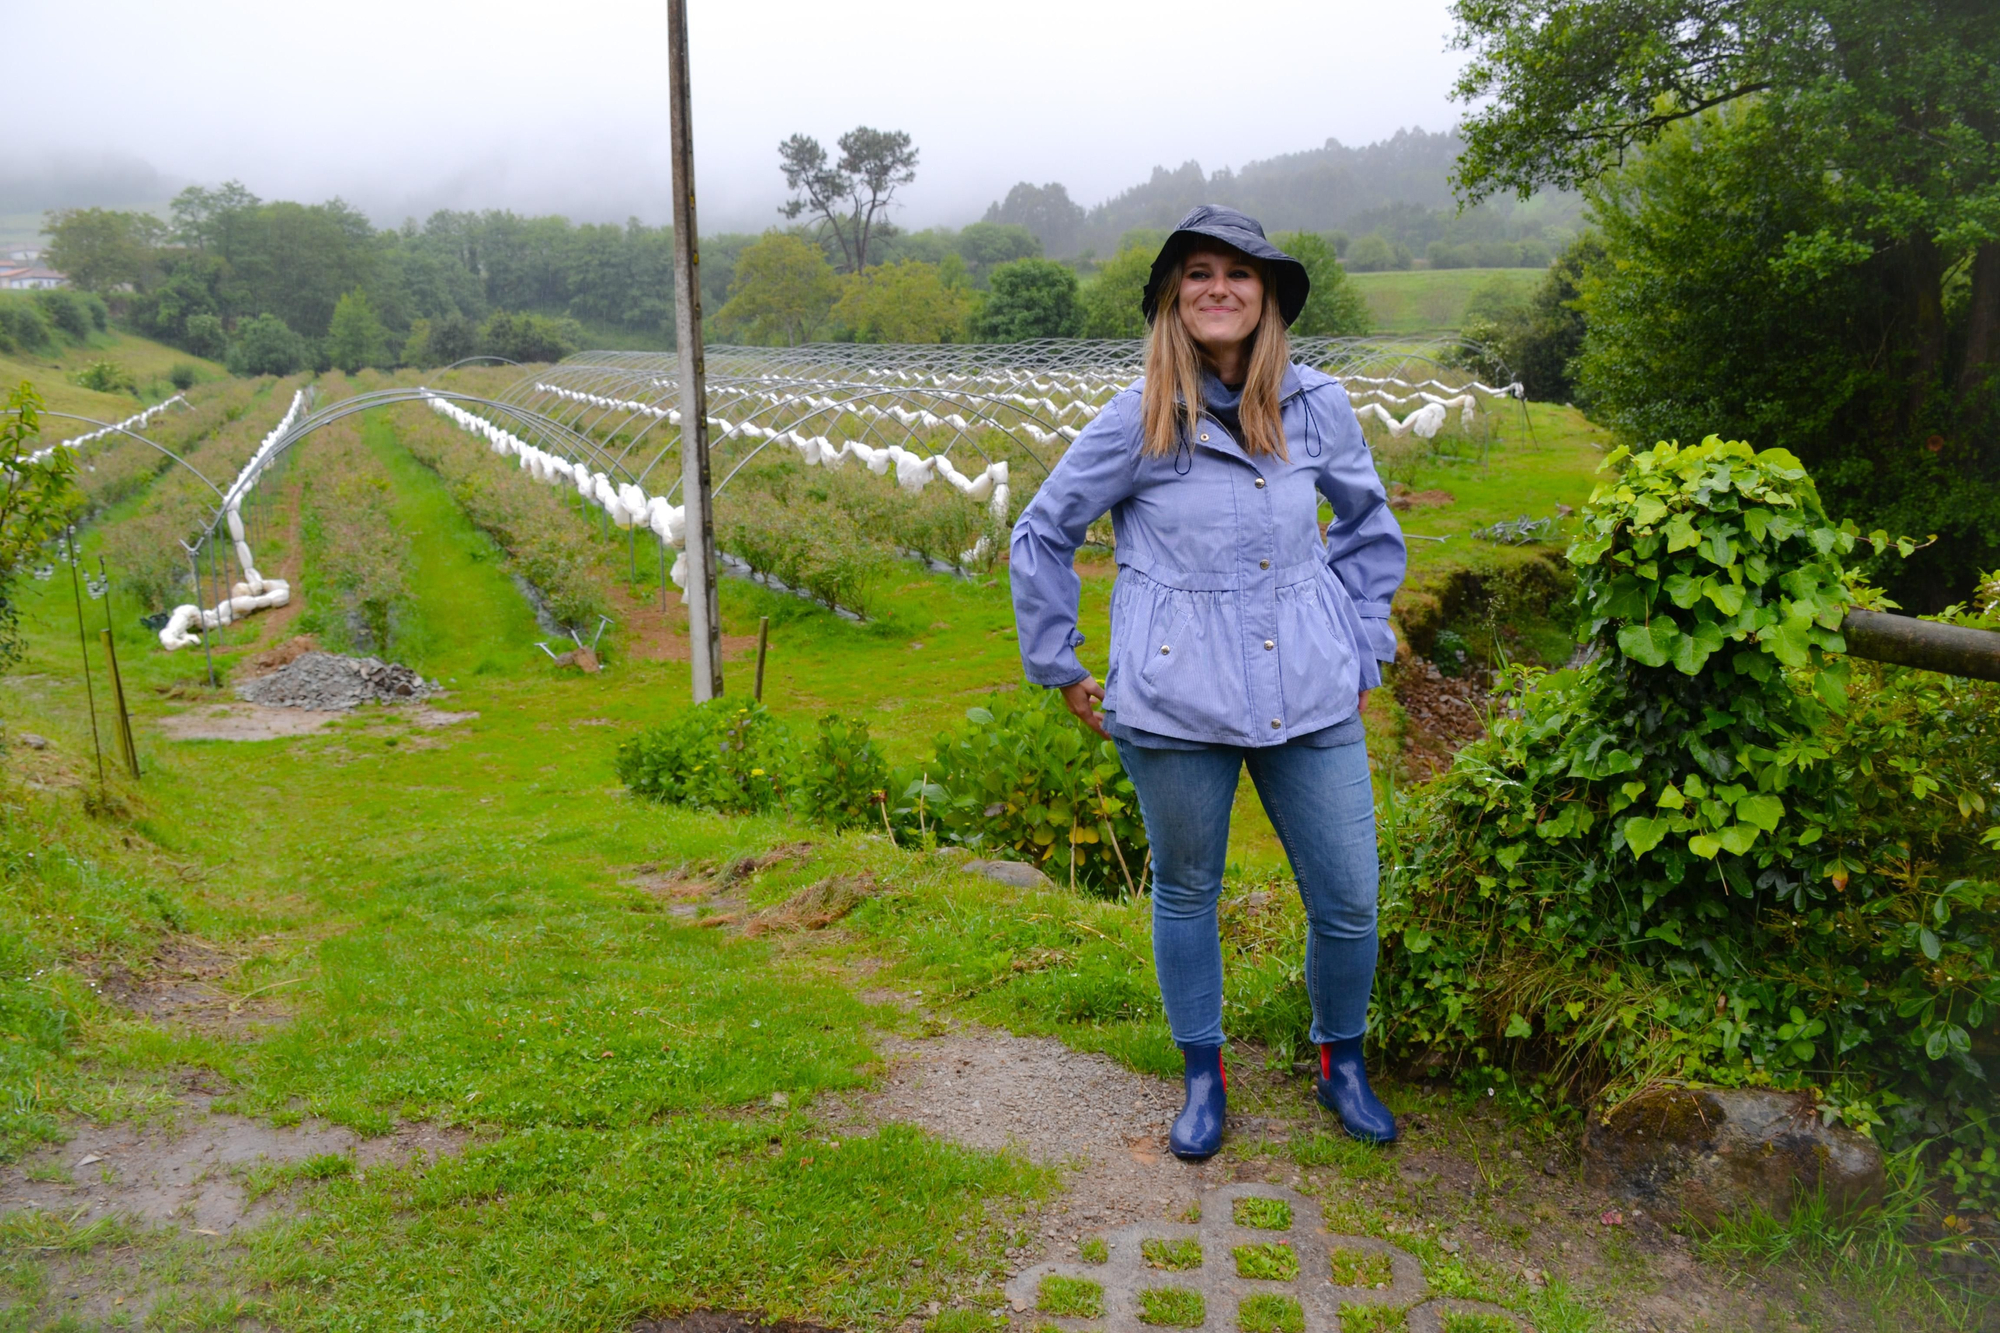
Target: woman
[1239,635]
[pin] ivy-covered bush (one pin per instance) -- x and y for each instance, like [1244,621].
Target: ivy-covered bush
[1718,850]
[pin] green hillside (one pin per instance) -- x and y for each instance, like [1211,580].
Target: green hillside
[1416,300]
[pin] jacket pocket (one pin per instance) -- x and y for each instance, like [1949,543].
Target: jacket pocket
[1316,662]
[1172,613]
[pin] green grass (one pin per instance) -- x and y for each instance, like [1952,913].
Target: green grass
[1276,1262]
[1094,1251]
[1360,1268]
[1373,1319]
[1071,1297]
[1420,300]
[1172,1307]
[1173,1255]
[1457,1321]
[1264,1214]
[147,361]
[1268,1312]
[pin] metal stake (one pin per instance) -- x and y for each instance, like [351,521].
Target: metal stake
[117,679]
[194,568]
[83,644]
[704,608]
[763,638]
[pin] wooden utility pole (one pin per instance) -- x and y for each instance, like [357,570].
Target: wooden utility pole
[704,615]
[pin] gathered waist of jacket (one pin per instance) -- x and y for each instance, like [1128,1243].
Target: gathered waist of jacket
[1221,580]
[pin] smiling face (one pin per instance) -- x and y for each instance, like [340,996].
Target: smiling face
[1221,302]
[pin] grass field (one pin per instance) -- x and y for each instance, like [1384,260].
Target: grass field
[147,362]
[454,928]
[1419,300]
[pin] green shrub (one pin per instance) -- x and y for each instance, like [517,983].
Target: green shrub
[68,312]
[22,327]
[106,377]
[843,779]
[183,376]
[267,345]
[714,756]
[1694,856]
[1023,777]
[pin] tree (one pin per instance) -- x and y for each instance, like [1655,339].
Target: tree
[356,337]
[1111,300]
[527,337]
[1031,298]
[846,197]
[1376,253]
[984,246]
[781,292]
[1335,305]
[36,497]
[908,302]
[1860,143]
[102,250]
[1045,210]
[267,345]
[1539,339]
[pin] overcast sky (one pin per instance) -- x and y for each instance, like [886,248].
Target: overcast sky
[403,106]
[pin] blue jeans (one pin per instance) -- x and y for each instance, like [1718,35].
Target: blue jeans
[1323,807]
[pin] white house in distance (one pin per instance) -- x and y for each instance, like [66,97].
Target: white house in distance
[21,270]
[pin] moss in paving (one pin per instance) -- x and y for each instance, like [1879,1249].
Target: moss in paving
[1094,1251]
[1276,1262]
[1072,1297]
[1264,1214]
[1173,1255]
[1173,1307]
[1361,1268]
[1268,1312]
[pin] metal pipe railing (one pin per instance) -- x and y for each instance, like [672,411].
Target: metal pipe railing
[1954,650]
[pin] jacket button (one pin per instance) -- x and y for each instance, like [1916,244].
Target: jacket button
[1263,564]
[1164,650]
[1260,483]
[1269,644]
[1276,725]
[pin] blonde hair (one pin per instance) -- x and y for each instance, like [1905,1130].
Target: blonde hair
[1172,401]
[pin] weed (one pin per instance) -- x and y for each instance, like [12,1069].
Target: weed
[1459,1321]
[1073,1297]
[1264,1214]
[1173,1307]
[1373,1319]
[1276,1262]
[1268,1312]
[1172,1255]
[1094,1251]
[1360,1268]
[965,1321]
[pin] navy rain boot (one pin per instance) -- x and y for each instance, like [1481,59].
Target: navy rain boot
[1343,1089]
[1197,1132]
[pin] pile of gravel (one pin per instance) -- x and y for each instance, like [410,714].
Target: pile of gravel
[329,681]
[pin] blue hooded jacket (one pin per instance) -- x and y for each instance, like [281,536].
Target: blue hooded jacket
[1232,620]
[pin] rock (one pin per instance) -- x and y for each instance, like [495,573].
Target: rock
[583,659]
[1703,1154]
[327,681]
[1017,873]
[34,742]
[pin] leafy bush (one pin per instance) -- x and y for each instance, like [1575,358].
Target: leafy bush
[525,337]
[183,376]
[22,327]
[1693,856]
[106,377]
[843,778]
[1023,777]
[714,756]
[71,313]
[266,345]
[813,548]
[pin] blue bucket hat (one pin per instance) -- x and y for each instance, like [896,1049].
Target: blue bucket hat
[1238,231]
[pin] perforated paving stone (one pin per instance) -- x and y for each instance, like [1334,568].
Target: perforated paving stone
[1130,1271]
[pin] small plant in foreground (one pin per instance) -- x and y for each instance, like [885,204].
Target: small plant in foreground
[1094,1251]
[1276,1262]
[1173,1307]
[1360,1268]
[1264,1214]
[844,774]
[1173,1255]
[1268,1312]
[1071,1297]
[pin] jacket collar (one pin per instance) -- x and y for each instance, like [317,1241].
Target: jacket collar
[1222,442]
